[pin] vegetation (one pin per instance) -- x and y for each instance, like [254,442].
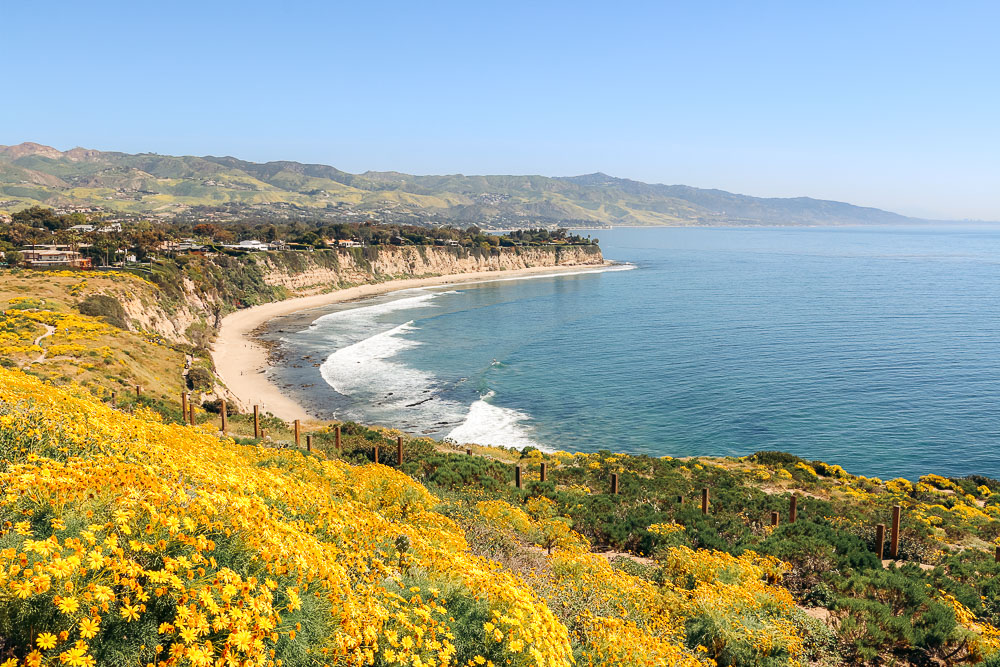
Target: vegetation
[216,188]
[129,537]
[466,565]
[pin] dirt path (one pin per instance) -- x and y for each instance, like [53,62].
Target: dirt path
[49,330]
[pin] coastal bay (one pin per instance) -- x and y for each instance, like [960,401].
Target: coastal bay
[242,361]
[866,347]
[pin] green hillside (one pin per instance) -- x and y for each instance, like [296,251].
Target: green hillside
[166,185]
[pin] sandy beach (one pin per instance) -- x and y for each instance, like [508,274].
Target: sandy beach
[241,361]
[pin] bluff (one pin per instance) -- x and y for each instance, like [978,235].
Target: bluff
[194,292]
[380,263]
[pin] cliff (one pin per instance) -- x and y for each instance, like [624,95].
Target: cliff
[323,271]
[195,292]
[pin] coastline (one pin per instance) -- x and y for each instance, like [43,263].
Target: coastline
[242,362]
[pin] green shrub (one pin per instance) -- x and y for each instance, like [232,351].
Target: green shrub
[108,307]
[776,458]
[215,407]
[200,379]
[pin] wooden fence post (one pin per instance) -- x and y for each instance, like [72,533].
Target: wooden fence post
[138,391]
[114,399]
[894,538]
[376,453]
[225,417]
[517,479]
[256,422]
[309,443]
[184,405]
[774,519]
[614,483]
[793,509]
[336,433]
[542,475]
[880,541]
[704,501]
[468,452]
[191,413]
[399,450]
[296,427]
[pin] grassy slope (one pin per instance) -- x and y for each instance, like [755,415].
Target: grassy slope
[83,349]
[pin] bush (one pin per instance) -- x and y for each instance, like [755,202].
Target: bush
[200,379]
[215,407]
[892,610]
[776,458]
[108,307]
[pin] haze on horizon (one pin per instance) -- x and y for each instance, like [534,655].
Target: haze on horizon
[889,106]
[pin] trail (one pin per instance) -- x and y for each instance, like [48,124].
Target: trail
[49,330]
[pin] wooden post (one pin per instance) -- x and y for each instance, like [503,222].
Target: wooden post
[225,417]
[894,537]
[517,479]
[614,483]
[114,399]
[774,519]
[704,501]
[297,433]
[256,422]
[468,452]
[336,432]
[191,413]
[184,405]
[399,450]
[376,453]
[542,475]
[138,391]
[880,540]
[793,508]
[309,443]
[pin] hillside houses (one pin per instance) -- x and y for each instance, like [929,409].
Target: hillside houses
[47,257]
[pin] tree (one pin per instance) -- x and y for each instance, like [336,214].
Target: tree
[205,229]
[40,216]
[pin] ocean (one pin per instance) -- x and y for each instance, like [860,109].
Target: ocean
[873,348]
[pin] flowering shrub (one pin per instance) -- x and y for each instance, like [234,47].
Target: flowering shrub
[132,541]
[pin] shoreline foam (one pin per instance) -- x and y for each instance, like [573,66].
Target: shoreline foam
[241,361]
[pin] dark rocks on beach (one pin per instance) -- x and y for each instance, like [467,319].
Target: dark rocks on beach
[420,402]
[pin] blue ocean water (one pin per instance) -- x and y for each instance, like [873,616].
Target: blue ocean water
[874,348]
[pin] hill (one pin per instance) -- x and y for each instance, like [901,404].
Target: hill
[163,185]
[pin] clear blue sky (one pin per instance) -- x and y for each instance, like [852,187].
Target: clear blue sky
[895,105]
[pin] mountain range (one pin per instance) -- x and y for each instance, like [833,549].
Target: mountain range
[165,186]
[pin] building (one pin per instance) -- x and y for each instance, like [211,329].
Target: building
[252,245]
[82,228]
[184,246]
[344,243]
[44,259]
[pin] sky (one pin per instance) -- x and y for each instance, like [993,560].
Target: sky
[893,105]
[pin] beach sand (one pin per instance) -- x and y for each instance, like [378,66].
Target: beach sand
[242,363]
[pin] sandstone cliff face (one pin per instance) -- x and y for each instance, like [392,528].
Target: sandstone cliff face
[361,265]
[195,309]
[174,320]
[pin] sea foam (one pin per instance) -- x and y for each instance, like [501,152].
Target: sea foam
[488,424]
